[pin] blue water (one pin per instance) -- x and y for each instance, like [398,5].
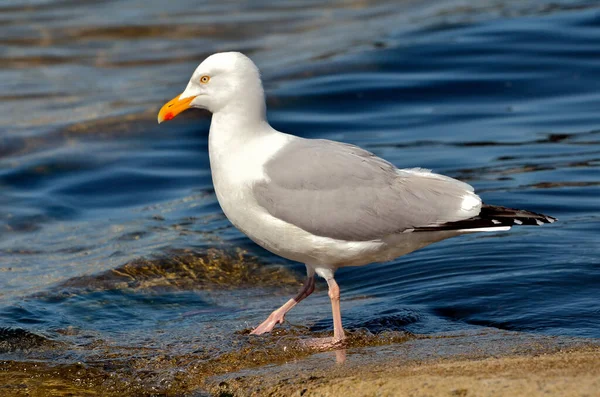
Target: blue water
[504,97]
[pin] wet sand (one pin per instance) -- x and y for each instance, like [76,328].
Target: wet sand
[573,373]
[534,367]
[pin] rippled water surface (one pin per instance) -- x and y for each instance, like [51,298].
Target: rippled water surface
[110,233]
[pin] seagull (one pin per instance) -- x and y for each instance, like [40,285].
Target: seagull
[322,203]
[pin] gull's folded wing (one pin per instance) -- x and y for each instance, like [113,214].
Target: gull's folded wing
[343,192]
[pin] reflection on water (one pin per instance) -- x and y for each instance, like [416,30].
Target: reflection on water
[113,249]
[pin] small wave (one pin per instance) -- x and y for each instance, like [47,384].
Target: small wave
[20,340]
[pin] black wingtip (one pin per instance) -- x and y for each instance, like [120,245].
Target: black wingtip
[517,217]
[493,216]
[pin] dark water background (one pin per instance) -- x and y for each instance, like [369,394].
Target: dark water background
[504,95]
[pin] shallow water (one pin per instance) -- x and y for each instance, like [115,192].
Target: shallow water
[112,241]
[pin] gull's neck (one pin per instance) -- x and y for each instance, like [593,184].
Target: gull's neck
[244,115]
[236,125]
[246,118]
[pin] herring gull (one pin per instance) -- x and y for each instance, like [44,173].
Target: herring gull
[319,202]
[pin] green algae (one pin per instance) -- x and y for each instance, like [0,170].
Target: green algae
[212,269]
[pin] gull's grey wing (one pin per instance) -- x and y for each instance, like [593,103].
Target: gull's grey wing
[341,191]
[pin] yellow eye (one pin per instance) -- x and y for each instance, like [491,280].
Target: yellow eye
[204,79]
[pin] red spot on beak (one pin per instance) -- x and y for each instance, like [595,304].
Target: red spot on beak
[168,116]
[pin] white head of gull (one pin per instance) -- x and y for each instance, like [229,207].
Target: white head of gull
[322,203]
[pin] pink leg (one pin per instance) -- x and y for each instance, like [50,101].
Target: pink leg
[338,331]
[334,295]
[278,315]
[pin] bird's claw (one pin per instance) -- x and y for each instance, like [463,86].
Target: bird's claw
[267,326]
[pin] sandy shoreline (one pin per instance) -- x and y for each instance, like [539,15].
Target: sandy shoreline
[575,373]
[484,363]
[534,367]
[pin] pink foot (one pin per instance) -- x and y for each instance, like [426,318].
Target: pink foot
[277,317]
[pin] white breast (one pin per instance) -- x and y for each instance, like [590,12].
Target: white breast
[237,163]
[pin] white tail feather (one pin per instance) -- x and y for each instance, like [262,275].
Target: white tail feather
[486,229]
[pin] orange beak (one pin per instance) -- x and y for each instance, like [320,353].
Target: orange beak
[173,108]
